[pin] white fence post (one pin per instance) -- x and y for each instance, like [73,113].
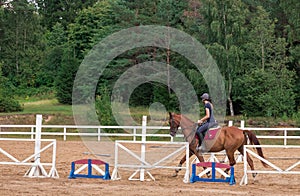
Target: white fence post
[242,124]
[37,169]
[65,133]
[32,132]
[37,147]
[99,133]
[285,140]
[134,134]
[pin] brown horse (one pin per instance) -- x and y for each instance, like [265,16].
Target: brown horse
[229,139]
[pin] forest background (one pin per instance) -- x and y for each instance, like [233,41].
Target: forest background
[256,44]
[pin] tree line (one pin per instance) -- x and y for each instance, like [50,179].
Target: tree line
[256,45]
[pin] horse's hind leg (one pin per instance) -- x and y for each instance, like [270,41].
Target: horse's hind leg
[180,163]
[249,160]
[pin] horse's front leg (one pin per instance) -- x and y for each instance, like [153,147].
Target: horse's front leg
[180,164]
[201,159]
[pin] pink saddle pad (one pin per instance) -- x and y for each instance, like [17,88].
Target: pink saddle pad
[211,133]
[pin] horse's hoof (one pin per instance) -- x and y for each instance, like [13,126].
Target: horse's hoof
[175,175]
[208,174]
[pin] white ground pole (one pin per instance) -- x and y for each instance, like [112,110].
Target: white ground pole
[37,169]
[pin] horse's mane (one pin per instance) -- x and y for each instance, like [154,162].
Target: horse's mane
[181,116]
[187,118]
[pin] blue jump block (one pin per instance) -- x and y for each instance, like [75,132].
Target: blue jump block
[213,165]
[89,163]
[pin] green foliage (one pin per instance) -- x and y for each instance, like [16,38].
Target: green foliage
[103,109]
[9,105]
[65,78]
[224,32]
[47,75]
[21,43]
[255,44]
[142,95]
[296,118]
[7,102]
[65,12]
[263,93]
[90,26]
[268,87]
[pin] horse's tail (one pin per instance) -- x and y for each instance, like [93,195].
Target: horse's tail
[254,141]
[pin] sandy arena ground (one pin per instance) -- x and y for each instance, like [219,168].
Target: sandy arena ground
[12,181]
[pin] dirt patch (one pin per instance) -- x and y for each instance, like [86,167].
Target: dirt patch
[12,181]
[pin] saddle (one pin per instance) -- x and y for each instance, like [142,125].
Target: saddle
[209,134]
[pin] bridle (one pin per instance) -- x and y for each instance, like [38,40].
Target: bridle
[173,126]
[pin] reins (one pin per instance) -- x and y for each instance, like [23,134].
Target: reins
[192,133]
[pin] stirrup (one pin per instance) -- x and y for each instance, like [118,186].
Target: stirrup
[200,148]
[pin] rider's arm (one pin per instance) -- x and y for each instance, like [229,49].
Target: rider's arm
[207,115]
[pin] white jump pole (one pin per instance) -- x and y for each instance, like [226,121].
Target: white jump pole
[142,170]
[37,147]
[37,169]
[143,146]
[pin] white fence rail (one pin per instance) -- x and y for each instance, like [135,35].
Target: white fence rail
[273,169]
[133,131]
[37,169]
[99,131]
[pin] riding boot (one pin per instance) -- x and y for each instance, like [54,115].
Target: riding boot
[200,136]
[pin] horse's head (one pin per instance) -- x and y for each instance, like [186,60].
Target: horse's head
[174,122]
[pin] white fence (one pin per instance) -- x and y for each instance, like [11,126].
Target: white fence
[273,169]
[37,168]
[99,131]
[144,166]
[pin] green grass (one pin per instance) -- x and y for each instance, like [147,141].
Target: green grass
[48,106]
